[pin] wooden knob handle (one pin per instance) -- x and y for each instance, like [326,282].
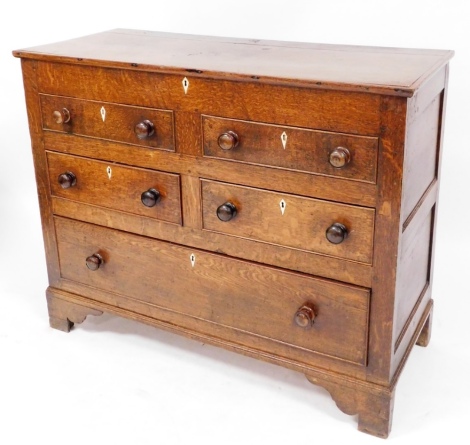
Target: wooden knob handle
[305,316]
[340,157]
[336,233]
[226,211]
[62,116]
[228,140]
[144,129]
[67,180]
[93,262]
[150,197]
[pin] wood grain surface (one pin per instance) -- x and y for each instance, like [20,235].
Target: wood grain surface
[393,71]
[302,223]
[109,121]
[219,290]
[303,150]
[116,186]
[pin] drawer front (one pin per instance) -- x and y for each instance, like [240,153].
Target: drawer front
[289,220]
[219,290]
[329,110]
[116,186]
[109,121]
[352,157]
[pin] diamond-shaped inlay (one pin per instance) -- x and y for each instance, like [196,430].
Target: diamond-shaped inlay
[185,83]
[284,139]
[109,172]
[103,113]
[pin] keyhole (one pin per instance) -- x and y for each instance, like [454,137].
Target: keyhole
[282,205]
[284,139]
[109,172]
[192,258]
[185,85]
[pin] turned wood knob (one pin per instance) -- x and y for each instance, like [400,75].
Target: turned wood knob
[62,116]
[144,129]
[336,233]
[228,140]
[67,180]
[305,316]
[340,157]
[150,197]
[226,211]
[93,262]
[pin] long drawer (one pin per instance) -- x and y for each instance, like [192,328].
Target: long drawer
[263,301]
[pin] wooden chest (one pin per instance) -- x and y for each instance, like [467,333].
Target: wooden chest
[276,199]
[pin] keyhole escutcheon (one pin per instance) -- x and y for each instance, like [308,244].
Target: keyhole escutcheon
[185,85]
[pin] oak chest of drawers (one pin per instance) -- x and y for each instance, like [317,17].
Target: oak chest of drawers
[277,199]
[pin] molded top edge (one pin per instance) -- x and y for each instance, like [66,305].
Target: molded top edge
[392,71]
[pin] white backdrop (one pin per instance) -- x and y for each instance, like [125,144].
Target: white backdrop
[115,381]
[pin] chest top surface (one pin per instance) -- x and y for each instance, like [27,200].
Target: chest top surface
[392,71]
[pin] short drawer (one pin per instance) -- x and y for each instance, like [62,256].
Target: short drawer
[334,154]
[219,290]
[116,186]
[146,127]
[289,220]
